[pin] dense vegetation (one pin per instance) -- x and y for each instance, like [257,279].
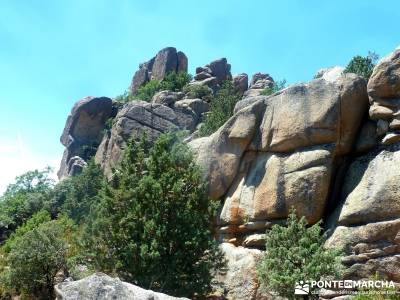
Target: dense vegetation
[361,65]
[173,82]
[150,225]
[296,253]
[222,106]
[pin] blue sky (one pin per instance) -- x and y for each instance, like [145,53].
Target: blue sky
[53,53]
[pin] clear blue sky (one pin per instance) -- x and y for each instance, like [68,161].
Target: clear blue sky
[53,53]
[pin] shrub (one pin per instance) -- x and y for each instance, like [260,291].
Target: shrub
[172,81]
[147,91]
[74,196]
[362,66]
[175,81]
[29,194]
[152,224]
[277,86]
[35,259]
[221,110]
[37,219]
[198,91]
[296,253]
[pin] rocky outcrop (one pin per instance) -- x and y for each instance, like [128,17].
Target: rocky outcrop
[140,118]
[167,60]
[281,151]
[102,287]
[367,223]
[83,132]
[259,82]
[384,95]
[213,74]
[240,83]
[330,74]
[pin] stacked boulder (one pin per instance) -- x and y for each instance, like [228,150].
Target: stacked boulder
[384,95]
[213,74]
[167,60]
[83,132]
[258,83]
[367,222]
[281,151]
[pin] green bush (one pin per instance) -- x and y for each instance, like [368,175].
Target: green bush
[35,259]
[152,224]
[22,199]
[147,91]
[277,86]
[198,91]
[75,195]
[37,219]
[172,81]
[361,65]
[296,253]
[221,110]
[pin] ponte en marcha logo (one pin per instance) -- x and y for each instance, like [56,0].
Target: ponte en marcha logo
[312,286]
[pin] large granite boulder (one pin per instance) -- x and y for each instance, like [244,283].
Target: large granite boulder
[384,96]
[83,131]
[140,118]
[103,287]
[239,280]
[167,60]
[282,151]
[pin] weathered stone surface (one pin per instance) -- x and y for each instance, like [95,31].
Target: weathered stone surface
[367,139]
[138,118]
[240,282]
[84,128]
[103,287]
[167,60]
[279,151]
[382,127]
[377,112]
[76,165]
[273,183]
[259,82]
[220,69]
[371,191]
[240,83]
[385,79]
[330,74]
[391,138]
[370,249]
[167,97]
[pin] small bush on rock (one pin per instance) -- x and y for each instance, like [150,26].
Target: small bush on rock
[277,86]
[296,253]
[362,66]
[194,91]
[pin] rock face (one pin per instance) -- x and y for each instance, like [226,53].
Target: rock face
[367,223]
[281,151]
[384,96]
[83,132]
[330,148]
[102,287]
[151,119]
[167,60]
[258,83]
[213,74]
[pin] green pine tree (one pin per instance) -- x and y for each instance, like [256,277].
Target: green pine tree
[152,225]
[296,253]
